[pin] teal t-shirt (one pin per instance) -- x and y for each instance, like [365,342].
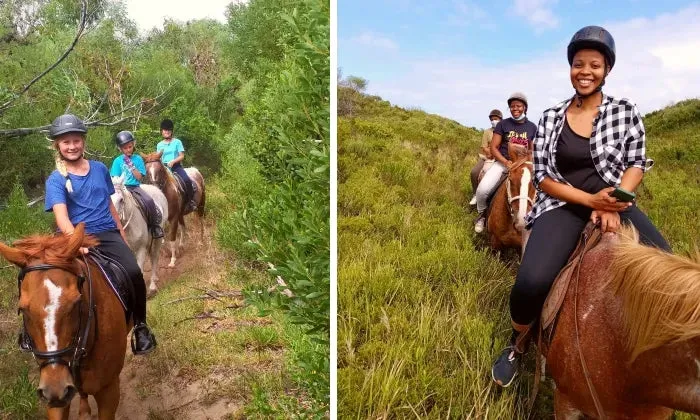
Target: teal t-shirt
[170,150]
[120,168]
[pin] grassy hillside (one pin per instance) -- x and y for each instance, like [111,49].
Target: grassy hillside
[422,304]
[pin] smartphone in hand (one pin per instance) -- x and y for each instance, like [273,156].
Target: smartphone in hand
[623,195]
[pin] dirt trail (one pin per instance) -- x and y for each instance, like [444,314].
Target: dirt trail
[176,396]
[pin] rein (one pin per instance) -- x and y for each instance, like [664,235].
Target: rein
[584,367]
[127,196]
[78,345]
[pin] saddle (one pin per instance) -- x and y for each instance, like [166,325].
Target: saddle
[117,278]
[145,210]
[181,185]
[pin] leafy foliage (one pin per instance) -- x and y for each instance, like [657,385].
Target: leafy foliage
[285,134]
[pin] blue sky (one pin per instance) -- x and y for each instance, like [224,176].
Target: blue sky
[460,58]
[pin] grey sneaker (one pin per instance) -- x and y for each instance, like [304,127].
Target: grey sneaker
[480,224]
[506,367]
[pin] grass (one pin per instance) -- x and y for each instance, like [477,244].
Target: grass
[423,305]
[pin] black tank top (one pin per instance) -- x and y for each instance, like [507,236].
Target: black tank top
[575,163]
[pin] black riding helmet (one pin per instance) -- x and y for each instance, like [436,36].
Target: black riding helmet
[593,37]
[67,123]
[123,138]
[167,125]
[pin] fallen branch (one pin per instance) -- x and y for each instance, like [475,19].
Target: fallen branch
[209,294]
[203,315]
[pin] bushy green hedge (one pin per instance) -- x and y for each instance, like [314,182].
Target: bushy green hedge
[277,173]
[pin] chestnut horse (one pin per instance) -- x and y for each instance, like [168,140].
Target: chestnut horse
[75,322]
[633,320]
[159,175]
[510,204]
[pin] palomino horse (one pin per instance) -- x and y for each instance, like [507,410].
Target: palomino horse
[138,236]
[511,203]
[165,180]
[627,341]
[75,321]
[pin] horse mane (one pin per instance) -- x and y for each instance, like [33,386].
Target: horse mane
[660,293]
[151,157]
[53,249]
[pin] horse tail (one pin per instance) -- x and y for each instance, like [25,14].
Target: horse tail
[202,202]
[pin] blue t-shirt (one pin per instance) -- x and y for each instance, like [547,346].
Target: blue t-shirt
[120,168]
[514,132]
[170,150]
[90,199]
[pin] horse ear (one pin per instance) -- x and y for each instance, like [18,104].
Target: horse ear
[76,239]
[159,154]
[13,255]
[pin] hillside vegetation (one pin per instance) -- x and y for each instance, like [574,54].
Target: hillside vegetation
[422,303]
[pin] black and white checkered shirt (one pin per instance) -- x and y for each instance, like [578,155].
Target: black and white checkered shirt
[617,143]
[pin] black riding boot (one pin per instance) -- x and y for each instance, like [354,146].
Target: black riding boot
[142,339]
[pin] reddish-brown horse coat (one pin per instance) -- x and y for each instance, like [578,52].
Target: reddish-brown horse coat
[658,381]
[158,175]
[501,223]
[105,356]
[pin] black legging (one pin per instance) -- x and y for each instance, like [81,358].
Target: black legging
[553,238]
[189,192]
[112,245]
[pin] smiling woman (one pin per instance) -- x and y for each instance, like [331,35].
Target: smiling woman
[585,147]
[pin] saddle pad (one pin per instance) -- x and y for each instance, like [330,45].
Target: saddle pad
[181,184]
[589,239]
[117,278]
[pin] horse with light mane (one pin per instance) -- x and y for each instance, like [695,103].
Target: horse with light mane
[76,324]
[512,201]
[159,175]
[632,318]
[138,236]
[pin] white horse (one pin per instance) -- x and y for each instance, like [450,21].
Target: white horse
[138,235]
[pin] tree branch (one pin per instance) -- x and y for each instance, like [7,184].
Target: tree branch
[81,27]
[144,106]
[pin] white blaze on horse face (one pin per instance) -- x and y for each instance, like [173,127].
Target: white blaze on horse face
[524,190]
[51,309]
[152,170]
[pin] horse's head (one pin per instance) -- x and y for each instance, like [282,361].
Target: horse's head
[52,308]
[520,192]
[119,192]
[156,173]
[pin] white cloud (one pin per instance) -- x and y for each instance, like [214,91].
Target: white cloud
[374,40]
[538,13]
[151,13]
[657,64]
[467,12]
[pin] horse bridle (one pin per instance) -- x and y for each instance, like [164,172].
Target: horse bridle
[78,345]
[516,165]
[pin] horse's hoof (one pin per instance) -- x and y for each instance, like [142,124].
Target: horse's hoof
[151,292]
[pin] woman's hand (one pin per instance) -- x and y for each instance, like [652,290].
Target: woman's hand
[609,220]
[170,164]
[603,201]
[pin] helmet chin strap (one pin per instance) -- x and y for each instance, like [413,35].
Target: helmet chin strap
[580,97]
